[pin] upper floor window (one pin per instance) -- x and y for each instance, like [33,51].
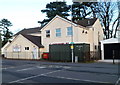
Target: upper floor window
[47,33]
[69,31]
[26,48]
[58,32]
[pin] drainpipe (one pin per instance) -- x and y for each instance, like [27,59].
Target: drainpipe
[0,43]
[0,58]
[102,50]
[93,43]
[72,47]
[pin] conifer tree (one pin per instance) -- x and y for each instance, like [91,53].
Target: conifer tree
[53,9]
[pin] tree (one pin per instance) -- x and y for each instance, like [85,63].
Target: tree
[92,8]
[106,12]
[6,34]
[53,9]
[76,11]
[116,23]
[83,10]
[79,11]
[4,24]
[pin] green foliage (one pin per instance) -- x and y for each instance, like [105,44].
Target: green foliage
[4,23]
[6,34]
[53,9]
[76,12]
[82,11]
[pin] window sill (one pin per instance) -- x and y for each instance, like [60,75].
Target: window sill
[58,36]
[69,36]
[47,37]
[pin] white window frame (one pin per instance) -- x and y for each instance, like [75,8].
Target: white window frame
[58,34]
[16,48]
[69,31]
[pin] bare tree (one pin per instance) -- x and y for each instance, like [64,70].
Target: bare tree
[117,21]
[106,12]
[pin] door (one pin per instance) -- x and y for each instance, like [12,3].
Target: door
[34,53]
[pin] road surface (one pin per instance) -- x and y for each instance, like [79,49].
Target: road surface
[39,72]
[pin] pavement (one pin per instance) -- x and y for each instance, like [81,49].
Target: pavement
[22,72]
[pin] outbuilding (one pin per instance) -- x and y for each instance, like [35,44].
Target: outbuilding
[110,49]
[25,44]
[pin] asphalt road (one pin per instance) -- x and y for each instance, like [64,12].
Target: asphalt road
[39,72]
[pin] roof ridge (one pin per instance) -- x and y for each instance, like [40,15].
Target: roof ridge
[28,31]
[84,25]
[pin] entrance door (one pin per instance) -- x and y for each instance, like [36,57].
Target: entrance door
[34,53]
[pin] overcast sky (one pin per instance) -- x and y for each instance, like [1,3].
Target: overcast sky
[24,13]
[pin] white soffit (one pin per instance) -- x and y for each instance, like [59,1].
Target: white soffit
[111,40]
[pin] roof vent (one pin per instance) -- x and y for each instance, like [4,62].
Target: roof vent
[88,22]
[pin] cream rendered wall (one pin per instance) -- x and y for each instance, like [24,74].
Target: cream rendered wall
[98,33]
[23,42]
[57,23]
[3,49]
[81,37]
[99,29]
[91,36]
[78,36]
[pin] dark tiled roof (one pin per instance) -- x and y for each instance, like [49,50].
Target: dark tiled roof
[86,22]
[29,31]
[34,39]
